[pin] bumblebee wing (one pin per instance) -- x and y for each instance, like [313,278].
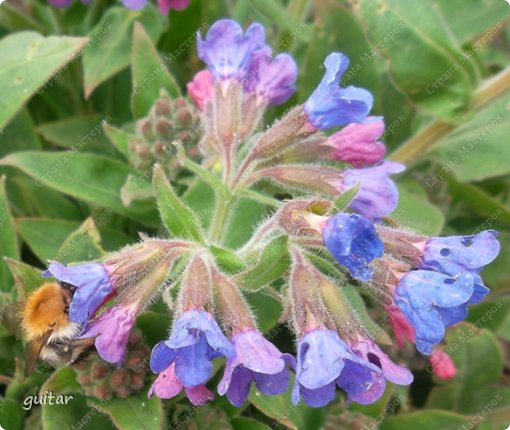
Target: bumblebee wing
[34,348]
[12,316]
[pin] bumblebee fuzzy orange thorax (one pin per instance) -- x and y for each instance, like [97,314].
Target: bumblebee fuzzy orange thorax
[44,310]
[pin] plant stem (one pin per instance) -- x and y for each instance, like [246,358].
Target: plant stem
[219,220]
[426,138]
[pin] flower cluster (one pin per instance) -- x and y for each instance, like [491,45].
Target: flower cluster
[424,284]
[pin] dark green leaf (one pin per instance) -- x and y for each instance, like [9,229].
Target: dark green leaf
[81,245]
[88,177]
[423,59]
[8,238]
[119,138]
[26,277]
[133,413]
[149,74]
[27,61]
[178,218]
[425,420]
[478,360]
[109,49]
[12,414]
[270,265]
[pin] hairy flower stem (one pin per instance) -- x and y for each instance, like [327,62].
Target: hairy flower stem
[220,217]
[420,143]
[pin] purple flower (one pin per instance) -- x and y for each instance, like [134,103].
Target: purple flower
[354,243]
[272,79]
[166,5]
[227,51]
[332,106]
[368,350]
[256,360]
[377,195]
[111,331]
[196,339]
[431,302]
[324,361]
[456,254]
[358,144]
[134,4]
[93,287]
[168,385]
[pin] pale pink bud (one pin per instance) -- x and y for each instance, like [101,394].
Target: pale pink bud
[442,365]
[357,144]
[200,88]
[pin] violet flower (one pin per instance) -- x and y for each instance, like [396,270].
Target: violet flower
[256,360]
[111,332]
[93,287]
[332,106]
[325,361]
[377,195]
[432,302]
[354,243]
[168,385]
[456,254]
[196,339]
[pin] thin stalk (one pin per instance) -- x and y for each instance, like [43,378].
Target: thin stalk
[436,130]
[219,220]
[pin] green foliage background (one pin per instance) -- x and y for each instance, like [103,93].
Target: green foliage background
[426,62]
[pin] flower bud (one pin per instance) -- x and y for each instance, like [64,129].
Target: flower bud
[321,179]
[196,284]
[162,108]
[231,304]
[227,112]
[144,127]
[164,129]
[284,133]
[309,311]
[294,215]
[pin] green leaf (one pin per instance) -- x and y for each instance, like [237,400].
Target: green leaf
[134,189]
[83,244]
[281,409]
[134,412]
[27,61]
[479,362]
[329,16]
[245,215]
[341,203]
[467,19]
[12,414]
[109,50]
[269,266]
[179,219]
[149,74]
[75,411]
[497,214]
[425,420]
[227,259]
[415,211]
[423,59]
[89,177]
[14,20]
[26,277]
[8,238]
[242,423]
[19,135]
[275,12]
[35,201]
[119,138]
[473,151]
[79,133]
[44,236]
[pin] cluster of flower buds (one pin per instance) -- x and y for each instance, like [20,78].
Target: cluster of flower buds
[168,121]
[101,380]
[423,284]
